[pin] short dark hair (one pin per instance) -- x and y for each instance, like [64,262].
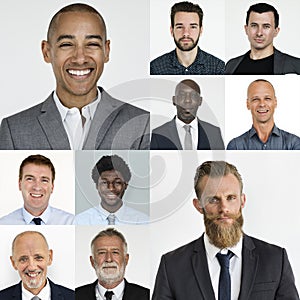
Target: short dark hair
[110,232]
[262,8]
[76,7]
[215,169]
[186,6]
[108,163]
[38,160]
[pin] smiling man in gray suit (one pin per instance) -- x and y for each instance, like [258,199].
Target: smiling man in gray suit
[77,115]
[224,263]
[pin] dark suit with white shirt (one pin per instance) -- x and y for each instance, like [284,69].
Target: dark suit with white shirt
[266,273]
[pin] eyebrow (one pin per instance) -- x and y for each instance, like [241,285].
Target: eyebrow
[72,37]
[189,24]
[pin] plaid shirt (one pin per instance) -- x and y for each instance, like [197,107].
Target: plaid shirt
[204,64]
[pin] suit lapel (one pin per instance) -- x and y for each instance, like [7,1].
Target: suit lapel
[17,293]
[249,268]
[278,62]
[203,142]
[106,112]
[200,268]
[50,121]
[173,134]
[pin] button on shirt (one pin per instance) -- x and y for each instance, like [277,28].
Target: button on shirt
[204,64]
[51,216]
[118,291]
[235,266]
[181,132]
[98,215]
[45,293]
[278,140]
[87,113]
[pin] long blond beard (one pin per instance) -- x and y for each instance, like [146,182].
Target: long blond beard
[224,235]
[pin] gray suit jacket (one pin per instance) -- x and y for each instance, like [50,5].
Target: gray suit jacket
[266,273]
[283,63]
[116,125]
[165,137]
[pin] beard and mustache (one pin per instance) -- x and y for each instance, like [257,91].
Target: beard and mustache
[108,276]
[186,48]
[224,235]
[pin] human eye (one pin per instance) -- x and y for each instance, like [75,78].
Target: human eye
[194,26]
[29,178]
[267,26]
[65,45]
[178,26]
[253,25]
[212,200]
[116,252]
[94,44]
[231,197]
[23,259]
[39,258]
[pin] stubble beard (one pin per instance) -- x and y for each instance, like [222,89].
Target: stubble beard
[224,235]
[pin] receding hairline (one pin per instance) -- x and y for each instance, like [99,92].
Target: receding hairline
[22,234]
[74,8]
[259,81]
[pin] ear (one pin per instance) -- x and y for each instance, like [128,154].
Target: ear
[126,259]
[275,102]
[276,31]
[171,31]
[197,205]
[19,185]
[243,200]
[50,257]
[92,261]
[46,51]
[174,100]
[13,262]
[246,29]
[201,30]
[248,104]
[107,51]
[52,188]
[126,185]
[200,101]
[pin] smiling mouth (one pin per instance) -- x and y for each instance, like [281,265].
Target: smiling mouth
[33,275]
[33,195]
[79,73]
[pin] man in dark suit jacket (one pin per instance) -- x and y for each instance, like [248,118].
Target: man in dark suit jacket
[58,292]
[257,270]
[172,135]
[109,259]
[261,28]
[77,115]
[31,257]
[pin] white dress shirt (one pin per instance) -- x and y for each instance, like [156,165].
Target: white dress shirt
[214,268]
[87,112]
[118,291]
[45,293]
[98,215]
[181,132]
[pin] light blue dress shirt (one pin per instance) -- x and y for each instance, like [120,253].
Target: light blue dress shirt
[98,215]
[51,216]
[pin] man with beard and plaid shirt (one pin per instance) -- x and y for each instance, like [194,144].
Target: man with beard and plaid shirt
[224,263]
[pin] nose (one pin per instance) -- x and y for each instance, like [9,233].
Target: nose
[186,32]
[110,186]
[37,185]
[259,31]
[108,257]
[223,206]
[79,55]
[31,264]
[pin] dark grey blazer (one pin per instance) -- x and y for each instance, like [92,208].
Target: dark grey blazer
[266,273]
[283,63]
[166,137]
[116,125]
[58,292]
[131,292]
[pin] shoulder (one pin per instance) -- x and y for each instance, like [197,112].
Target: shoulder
[209,57]
[63,290]
[62,217]
[233,63]
[162,64]
[89,217]
[162,128]
[264,247]
[13,218]
[134,216]
[208,126]
[285,55]
[239,142]
[138,290]
[9,291]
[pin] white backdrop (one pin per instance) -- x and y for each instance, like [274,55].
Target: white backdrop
[238,117]
[62,270]
[286,41]
[271,180]
[63,196]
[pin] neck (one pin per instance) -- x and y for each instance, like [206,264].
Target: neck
[186,58]
[264,130]
[110,286]
[261,53]
[79,101]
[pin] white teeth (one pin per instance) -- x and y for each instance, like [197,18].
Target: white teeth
[36,195]
[32,274]
[79,72]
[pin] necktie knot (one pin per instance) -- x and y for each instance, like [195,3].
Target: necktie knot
[111,219]
[35,298]
[108,295]
[37,221]
[224,259]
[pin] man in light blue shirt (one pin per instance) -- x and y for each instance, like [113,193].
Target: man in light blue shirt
[36,182]
[111,176]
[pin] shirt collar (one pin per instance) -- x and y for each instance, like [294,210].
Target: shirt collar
[275,130]
[44,294]
[212,250]
[118,290]
[88,110]
[45,216]
[193,124]
[198,59]
[106,213]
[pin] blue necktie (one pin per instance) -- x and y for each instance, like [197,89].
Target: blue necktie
[37,221]
[224,280]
